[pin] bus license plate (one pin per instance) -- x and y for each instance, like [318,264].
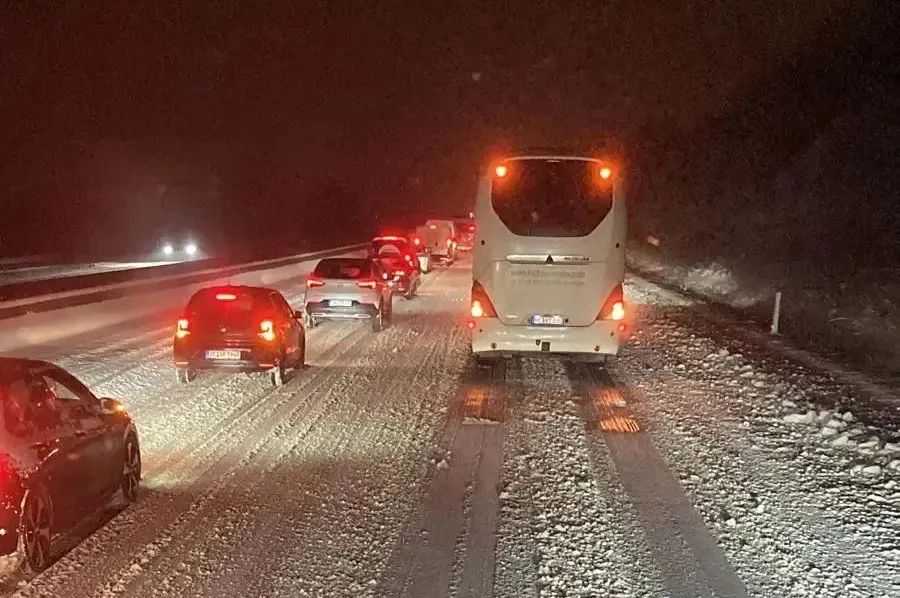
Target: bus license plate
[340,303]
[232,354]
[554,320]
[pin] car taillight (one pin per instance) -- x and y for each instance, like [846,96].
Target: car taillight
[366,284]
[267,330]
[314,282]
[417,241]
[226,296]
[182,328]
[614,307]
[481,306]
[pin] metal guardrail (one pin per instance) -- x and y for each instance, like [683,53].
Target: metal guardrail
[31,297]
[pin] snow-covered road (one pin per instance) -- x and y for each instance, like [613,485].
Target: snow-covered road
[701,464]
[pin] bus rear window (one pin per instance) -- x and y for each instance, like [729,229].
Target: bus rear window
[551,198]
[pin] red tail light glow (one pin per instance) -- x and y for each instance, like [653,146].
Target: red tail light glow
[501,171]
[417,241]
[367,284]
[226,296]
[314,282]
[182,328]
[267,330]
[605,173]
[614,307]
[481,306]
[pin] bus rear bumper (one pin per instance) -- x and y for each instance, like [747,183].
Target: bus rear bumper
[492,338]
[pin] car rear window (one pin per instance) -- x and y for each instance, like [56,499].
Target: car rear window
[231,307]
[389,246]
[551,198]
[344,269]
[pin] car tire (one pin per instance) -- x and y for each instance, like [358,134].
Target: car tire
[278,374]
[184,375]
[35,531]
[301,353]
[131,470]
[378,319]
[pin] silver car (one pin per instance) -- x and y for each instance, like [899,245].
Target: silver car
[349,289]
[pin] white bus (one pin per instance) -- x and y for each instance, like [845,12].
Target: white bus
[549,258]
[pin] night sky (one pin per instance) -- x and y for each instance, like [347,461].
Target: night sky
[115,118]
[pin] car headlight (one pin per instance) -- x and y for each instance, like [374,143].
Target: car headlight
[167,249]
[190,249]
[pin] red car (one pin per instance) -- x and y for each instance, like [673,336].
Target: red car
[399,258]
[241,329]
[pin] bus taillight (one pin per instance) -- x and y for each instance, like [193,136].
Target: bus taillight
[481,306]
[614,307]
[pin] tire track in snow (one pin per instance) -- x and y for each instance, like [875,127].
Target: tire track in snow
[212,477]
[689,556]
[356,426]
[449,547]
[565,526]
[77,574]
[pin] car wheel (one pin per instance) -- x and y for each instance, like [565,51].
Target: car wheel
[378,320]
[301,353]
[184,375]
[35,531]
[277,375]
[131,470]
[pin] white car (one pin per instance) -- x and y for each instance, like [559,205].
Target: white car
[349,289]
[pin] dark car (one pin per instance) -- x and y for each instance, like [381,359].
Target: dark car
[349,289]
[399,259]
[465,233]
[63,454]
[241,329]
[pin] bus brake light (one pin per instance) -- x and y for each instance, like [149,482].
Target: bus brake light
[481,306]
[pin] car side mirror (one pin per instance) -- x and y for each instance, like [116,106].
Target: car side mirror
[111,406]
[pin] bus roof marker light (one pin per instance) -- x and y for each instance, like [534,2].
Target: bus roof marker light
[501,171]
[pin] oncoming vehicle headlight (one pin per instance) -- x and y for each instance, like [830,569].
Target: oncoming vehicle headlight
[190,248]
[167,249]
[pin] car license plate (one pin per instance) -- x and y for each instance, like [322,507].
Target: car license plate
[340,303]
[228,354]
[545,320]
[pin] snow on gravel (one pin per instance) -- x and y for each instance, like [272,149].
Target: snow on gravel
[803,496]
